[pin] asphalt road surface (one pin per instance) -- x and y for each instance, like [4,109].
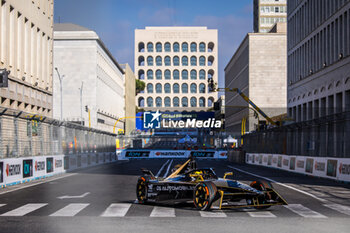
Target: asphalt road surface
[102,199]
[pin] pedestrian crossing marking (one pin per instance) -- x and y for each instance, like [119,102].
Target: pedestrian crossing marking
[70,210]
[116,210]
[304,211]
[340,208]
[261,214]
[213,214]
[159,211]
[26,209]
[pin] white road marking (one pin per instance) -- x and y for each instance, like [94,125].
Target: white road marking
[159,211]
[116,210]
[77,196]
[167,171]
[284,185]
[260,214]
[304,211]
[340,208]
[23,210]
[1,205]
[213,214]
[70,210]
[161,169]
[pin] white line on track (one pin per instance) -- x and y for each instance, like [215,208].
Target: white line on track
[165,212]
[212,214]
[161,169]
[167,171]
[304,211]
[70,210]
[116,210]
[340,208]
[260,214]
[23,210]
[1,205]
[284,185]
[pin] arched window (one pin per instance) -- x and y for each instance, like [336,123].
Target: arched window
[210,60]
[184,88]
[202,47]
[202,61]
[193,47]
[184,61]
[193,88]
[193,61]
[193,74]
[158,74]
[176,75]
[201,102]
[210,47]
[150,47]
[210,74]
[184,102]
[141,47]
[149,102]
[150,61]
[158,60]
[176,102]
[167,47]
[158,88]
[141,102]
[176,88]
[176,61]
[184,47]
[176,47]
[167,88]
[149,74]
[167,61]
[141,61]
[184,74]
[158,102]
[167,102]
[167,74]
[202,88]
[149,88]
[210,102]
[141,74]
[193,102]
[202,74]
[158,47]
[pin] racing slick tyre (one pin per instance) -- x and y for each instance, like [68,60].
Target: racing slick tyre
[261,186]
[141,190]
[204,194]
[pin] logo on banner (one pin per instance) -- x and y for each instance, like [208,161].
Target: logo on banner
[292,163]
[13,169]
[27,168]
[58,163]
[39,165]
[332,167]
[320,166]
[137,154]
[49,165]
[309,165]
[151,120]
[170,153]
[202,153]
[344,169]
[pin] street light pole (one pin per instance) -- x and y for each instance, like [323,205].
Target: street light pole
[81,101]
[60,78]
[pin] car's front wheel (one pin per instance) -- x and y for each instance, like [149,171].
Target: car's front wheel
[204,195]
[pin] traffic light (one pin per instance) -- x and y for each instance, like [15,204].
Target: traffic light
[4,77]
[86,108]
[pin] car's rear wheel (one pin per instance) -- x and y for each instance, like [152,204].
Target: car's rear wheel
[204,195]
[141,190]
[263,199]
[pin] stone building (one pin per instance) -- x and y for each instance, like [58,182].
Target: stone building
[130,98]
[267,13]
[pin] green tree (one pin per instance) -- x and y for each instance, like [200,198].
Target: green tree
[140,86]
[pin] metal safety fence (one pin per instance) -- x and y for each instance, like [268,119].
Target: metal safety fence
[328,136]
[24,134]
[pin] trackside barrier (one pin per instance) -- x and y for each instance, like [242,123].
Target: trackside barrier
[153,154]
[326,167]
[25,169]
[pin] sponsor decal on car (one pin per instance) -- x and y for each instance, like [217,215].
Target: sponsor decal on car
[137,154]
[13,169]
[344,169]
[27,168]
[174,187]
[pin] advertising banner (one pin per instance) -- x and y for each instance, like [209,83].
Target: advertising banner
[170,153]
[49,165]
[40,167]
[309,165]
[1,172]
[137,154]
[58,160]
[320,165]
[344,169]
[292,163]
[27,168]
[209,154]
[13,170]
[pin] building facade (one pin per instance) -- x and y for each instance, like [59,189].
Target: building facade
[84,63]
[26,51]
[259,70]
[130,99]
[318,75]
[175,63]
[267,13]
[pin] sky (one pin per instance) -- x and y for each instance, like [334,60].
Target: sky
[115,21]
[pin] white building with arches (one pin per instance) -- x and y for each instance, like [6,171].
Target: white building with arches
[175,63]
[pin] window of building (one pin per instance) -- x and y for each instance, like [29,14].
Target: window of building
[176,61]
[158,88]
[184,74]
[159,47]
[202,74]
[159,102]
[193,61]
[176,88]
[185,61]
[210,60]
[184,102]
[141,61]
[202,47]
[210,47]
[158,74]
[176,75]
[167,61]
[193,102]
[193,74]
[193,47]
[149,88]
[202,61]
[150,102]
[176,47]
[150,47]
[167,47]
[184,88]
[176,102]
[159,60]
[167,88]
[193,88]
[141,74]
[141,102]
[277,9]
[202,88]
[167,74]
[141,47]
[167,102]
[210,102]
[149,74]
[201,102]
[184,47]
[150,61]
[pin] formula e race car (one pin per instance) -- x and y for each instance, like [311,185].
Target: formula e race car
[188,183]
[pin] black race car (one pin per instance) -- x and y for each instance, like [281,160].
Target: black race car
[188,183]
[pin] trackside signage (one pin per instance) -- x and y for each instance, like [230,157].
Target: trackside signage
[127,154]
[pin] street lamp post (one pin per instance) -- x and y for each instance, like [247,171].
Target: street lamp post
[81,101]
[61,78]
